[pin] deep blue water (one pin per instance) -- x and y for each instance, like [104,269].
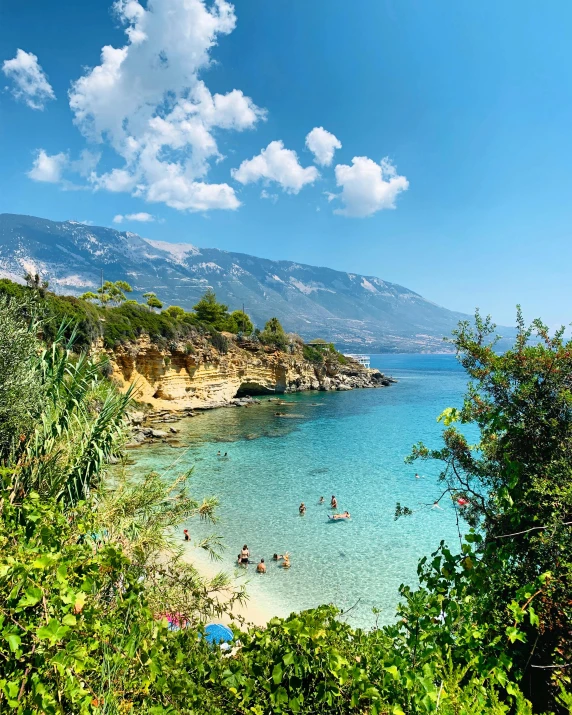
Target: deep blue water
[351,444]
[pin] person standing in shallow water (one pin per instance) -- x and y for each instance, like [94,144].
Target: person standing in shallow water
[186,534]
[334,502]
[261,567]
[302,509]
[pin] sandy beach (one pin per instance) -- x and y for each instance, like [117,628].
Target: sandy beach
[253,612]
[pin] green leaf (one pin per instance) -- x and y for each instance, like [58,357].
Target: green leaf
[277,673]
[69,620]
[288,658]
[281,696]
[392,670]
[30,598]
[534,621]
[14,641]
[54,632]
[294,704]
[515,635]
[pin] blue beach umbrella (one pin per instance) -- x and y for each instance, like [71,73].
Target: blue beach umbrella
[217,633]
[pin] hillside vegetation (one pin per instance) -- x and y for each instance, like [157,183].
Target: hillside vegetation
[90,575]
[110,317]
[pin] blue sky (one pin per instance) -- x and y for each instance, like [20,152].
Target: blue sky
[454,119]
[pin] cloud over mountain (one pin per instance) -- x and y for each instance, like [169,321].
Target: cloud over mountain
[279,165]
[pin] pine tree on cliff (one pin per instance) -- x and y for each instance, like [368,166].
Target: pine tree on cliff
[210,311]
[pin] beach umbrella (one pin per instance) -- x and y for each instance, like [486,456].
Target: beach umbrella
[217,633]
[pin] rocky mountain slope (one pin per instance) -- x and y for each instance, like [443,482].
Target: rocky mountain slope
[354,311]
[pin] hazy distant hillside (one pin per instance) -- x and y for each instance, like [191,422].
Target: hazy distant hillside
[361,312]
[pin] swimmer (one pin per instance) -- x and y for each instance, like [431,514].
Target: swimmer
[321,500]
[436,506]
[261,567]
[417,476]
[286,564]
[334,502]
[218,454]
[226,454]
[277,557]
[345,515]
[186,534]
[302,509]
[244,555]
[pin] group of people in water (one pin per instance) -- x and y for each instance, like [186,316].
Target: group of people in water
[244,559]
[333,505]
[283,560]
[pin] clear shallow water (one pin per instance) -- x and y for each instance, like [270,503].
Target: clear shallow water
[351,444]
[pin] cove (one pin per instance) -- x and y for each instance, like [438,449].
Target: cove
[351,444]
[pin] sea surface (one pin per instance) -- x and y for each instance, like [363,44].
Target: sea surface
[351,444]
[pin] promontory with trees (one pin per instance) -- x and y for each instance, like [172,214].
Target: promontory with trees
[89,571]
[185,359]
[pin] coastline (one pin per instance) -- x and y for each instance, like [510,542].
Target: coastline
[252,610]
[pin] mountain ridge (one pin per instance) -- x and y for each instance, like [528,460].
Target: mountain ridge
[354,311]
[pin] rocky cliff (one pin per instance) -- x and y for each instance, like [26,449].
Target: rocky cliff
[189,375]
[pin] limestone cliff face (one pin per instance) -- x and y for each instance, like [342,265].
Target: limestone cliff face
[187,375]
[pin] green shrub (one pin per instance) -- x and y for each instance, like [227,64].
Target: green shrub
[312,355]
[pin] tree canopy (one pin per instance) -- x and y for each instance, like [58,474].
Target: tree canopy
[110,293]
[273,334]
[514,487]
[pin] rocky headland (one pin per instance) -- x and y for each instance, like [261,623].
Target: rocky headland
[175,379]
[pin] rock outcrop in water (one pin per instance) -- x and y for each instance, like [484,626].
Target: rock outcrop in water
[191,375]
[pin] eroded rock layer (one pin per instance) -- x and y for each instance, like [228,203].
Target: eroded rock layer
[189,375]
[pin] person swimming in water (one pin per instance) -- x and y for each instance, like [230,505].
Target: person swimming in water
[277,557]
[345,515]
[321,500]
[286,563]
[302,509]
[334,502]
[261,567]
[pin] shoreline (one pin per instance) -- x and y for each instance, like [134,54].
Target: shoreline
[252,611]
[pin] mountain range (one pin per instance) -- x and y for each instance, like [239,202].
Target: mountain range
[356,312]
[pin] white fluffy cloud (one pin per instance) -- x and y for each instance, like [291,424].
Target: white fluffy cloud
[275,163]
[30,82]
[322,144]
[368,187]
[142,217]
[48,168]
[145,99]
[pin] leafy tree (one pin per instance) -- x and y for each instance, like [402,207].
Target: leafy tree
[153,301]
[239,322]
[209,310]
[175,311]
[273,334]
[109,293]
[35,282]
[514,487]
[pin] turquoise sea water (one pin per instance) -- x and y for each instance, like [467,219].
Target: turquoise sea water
[351,444]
